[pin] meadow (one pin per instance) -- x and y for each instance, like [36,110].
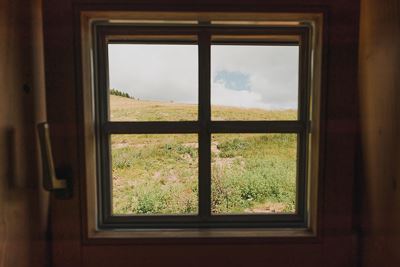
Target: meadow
[158,173]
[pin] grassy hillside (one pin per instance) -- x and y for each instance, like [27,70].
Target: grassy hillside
[158,173]
[127,109]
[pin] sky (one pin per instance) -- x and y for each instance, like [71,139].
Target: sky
[241,76]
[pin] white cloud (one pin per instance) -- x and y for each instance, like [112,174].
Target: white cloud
[272,70]
[244,98]
[155,72]
[169,72]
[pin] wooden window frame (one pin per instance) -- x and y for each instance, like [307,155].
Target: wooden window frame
[304,127]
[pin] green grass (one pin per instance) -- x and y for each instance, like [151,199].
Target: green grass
[254,173]
[154,174]
[158,173]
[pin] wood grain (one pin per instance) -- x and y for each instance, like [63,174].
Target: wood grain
[23,203]
[338,117]
[379,79]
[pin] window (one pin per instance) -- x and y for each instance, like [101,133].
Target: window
[203,124]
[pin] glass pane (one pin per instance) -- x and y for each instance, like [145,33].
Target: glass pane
[254,82]
[253,173]
[150,82]
[154,174]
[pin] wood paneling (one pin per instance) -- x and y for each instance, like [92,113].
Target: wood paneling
[23,204]
[380,110]
[337,245]
[227,255]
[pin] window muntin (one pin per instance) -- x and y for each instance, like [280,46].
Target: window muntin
[204,127]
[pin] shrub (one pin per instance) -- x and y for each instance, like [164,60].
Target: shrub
[120,93]
[179,150]
[152,201]
[153,197]
[230,148]
[235,188]
[122,158]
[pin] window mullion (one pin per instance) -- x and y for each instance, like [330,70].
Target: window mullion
[304,78]
[204,119]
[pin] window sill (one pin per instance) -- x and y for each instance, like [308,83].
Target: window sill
[246,233]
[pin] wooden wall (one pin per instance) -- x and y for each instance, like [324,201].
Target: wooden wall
[379,83]
[23,205]
[337,245]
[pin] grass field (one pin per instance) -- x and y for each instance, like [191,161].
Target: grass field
[158,173]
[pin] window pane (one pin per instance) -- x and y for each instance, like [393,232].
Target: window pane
[153,82]
[254,82]
[253,173]
[154,174]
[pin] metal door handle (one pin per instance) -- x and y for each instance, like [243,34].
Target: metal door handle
[50,180]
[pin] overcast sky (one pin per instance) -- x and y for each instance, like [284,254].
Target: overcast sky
[242,76]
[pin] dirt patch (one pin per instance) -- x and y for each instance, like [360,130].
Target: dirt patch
[214,148]
[117,181]
[166,178]
[228,162]
[119,145]
[267,208]
[192,145]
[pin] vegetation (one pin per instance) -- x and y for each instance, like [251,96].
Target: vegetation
[254,173]
[119,93]
[158,173]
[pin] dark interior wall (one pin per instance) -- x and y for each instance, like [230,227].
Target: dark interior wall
[23,204]
[337,243]
[379,78]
